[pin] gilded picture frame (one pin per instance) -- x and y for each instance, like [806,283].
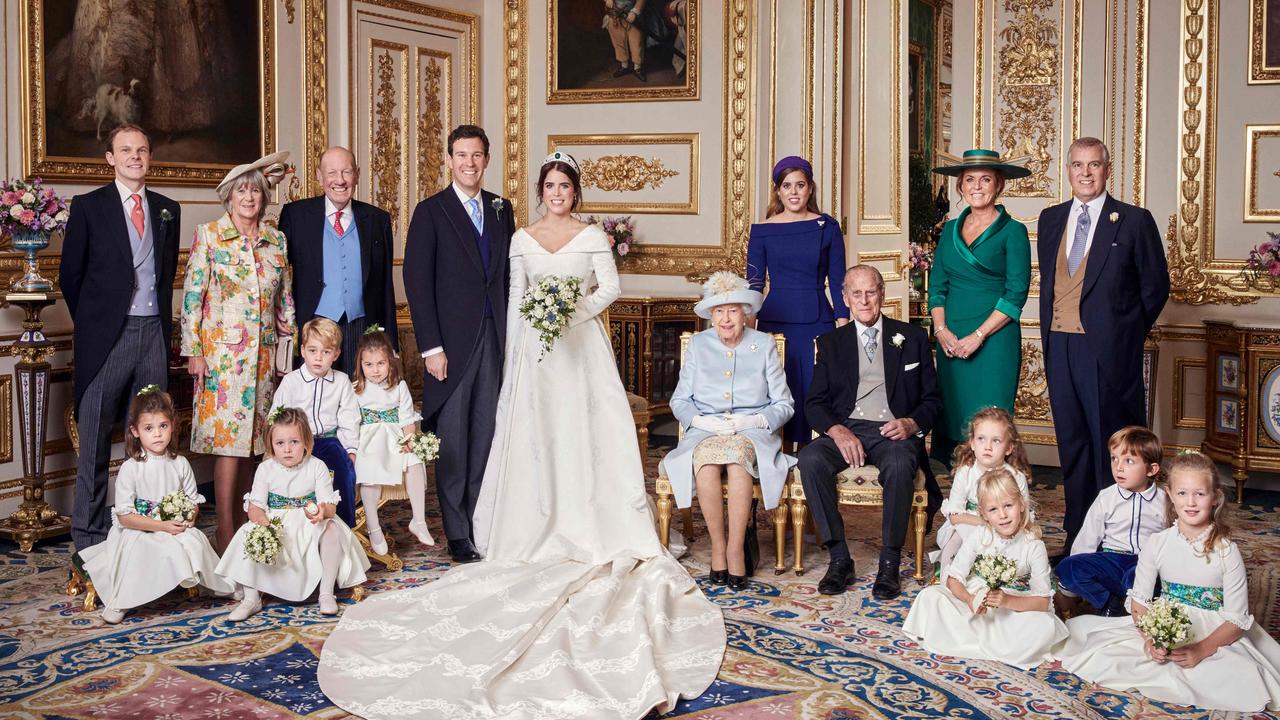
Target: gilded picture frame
[1264,42]
[203,117]
[585,38]
[626,168]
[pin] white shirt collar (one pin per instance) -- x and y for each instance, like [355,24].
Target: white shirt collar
[1149,494]
[879,326]
[125,192]
[330,209]
[1094,205]
[463,197]
[308,377]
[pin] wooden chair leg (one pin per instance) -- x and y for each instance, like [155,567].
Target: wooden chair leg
[798,515]
[920,502]
[780,517]
[664,518]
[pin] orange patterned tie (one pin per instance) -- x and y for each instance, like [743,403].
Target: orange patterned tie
[139,220]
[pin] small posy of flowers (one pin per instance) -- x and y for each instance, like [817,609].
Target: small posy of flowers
[175,506]
[1115,217]
[263,543]
[30,206]
[548,306]
[897,340]
[996,570]
[1266,257]
[423,444]
[621,232]
[1166,623]
[919,258]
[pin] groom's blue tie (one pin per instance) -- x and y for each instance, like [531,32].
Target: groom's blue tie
[477,219]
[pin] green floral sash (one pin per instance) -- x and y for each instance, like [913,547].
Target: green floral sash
[284,502]
[1205,598]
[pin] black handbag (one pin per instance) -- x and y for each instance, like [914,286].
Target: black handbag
[751,544]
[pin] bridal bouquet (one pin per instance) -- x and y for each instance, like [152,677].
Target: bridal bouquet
[263,543]
[176,506]
[548,306]
[425,445]
[1166,623]
[997,570]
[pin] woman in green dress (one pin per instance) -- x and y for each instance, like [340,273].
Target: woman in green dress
[977,287]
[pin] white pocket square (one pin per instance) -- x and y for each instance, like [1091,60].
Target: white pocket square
[912,366]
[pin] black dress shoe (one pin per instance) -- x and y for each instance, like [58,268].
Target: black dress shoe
[887,586]
[640,74]
[838,578]
[621,71]
[719,577]
[463,551]
[737,582]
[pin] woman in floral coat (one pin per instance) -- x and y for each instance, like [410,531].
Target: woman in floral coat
[236,304]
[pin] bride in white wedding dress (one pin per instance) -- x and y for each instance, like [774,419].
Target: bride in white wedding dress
[578,611]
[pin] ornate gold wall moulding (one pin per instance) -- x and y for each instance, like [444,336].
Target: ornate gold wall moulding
[515,126]
[890,222]
[315,130]
[1180,418]
[1033,291]
[632,173]
[889,256]
[892,307]
[1031,403]
[1189,237]
[435,121]
[389,113]
[290,11]
[648,91]
[6,418]
[1260,73]
[1028,59]
[1031,438]
[1253,174]
[37,157]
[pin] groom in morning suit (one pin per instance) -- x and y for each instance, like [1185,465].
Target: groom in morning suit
[874,396]
[119,257]
[340,250]
[1104,280]
[455,277]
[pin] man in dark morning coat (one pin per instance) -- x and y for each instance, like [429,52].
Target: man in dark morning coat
[119,257]
[455,276]
[874,397]
[340,250]
[1103,282]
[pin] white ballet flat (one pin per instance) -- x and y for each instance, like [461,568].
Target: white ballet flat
[421,532]
[378,542]
[112,616]
[245,610]
[328,605]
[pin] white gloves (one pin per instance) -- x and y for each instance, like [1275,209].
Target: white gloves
[728,424]
[714,424]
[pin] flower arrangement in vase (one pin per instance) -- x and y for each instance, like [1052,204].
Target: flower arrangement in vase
[29,214]
[621,232]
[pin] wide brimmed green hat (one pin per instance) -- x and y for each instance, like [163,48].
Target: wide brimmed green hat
[1011,169]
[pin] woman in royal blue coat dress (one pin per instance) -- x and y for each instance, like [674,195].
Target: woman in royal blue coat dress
[800,251]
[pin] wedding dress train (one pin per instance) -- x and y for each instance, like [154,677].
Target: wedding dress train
[578,611]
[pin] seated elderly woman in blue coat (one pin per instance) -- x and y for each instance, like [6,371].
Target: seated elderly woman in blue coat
[732,401]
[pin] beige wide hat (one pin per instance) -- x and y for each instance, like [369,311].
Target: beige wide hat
[726,288]
[273,167]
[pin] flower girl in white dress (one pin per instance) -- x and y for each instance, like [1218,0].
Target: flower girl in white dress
[1230,663]
[993,442]
[144,557]
[1012,624]
[387,417]
[317,549]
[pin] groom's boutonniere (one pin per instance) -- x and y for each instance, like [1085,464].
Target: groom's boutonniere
[897,340]
[1115,216]
[165,215]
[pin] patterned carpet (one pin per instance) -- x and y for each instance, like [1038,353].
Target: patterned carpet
[792,652]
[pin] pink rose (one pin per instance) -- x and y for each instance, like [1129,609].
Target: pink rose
[623,249]
[26,217]
[11,197]
[1274,268]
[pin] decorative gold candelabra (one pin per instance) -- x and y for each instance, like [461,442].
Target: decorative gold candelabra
[34,520]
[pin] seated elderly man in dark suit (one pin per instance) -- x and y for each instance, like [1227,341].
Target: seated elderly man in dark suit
[874,396]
